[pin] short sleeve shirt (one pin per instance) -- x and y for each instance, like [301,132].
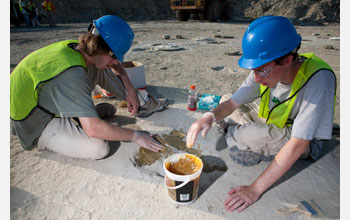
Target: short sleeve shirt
[66,95]
[313,109]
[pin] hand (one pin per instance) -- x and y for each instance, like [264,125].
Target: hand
[240,198]
[133,101]
[147,142]
[204,124]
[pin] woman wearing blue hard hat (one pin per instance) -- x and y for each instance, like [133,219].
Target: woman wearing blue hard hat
[281,112]
[51,106]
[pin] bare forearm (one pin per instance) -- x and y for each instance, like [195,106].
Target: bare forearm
[119,70]
[97,128]
[283,161]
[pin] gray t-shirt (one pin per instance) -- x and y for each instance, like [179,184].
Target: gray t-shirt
[66,95]
[313,108]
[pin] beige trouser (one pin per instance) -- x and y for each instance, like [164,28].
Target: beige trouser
[63,136]
[249,132]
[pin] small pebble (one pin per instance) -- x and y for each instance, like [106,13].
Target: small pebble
[178,36]
[236,53]
[139,49]
[329,47]
[166,37]
[217,68]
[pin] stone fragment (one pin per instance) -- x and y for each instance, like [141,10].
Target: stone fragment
[178,36]
[235,53]
[166,37]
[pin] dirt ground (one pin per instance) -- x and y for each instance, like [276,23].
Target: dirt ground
[49,186]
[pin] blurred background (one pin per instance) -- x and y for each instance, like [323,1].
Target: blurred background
[307,12]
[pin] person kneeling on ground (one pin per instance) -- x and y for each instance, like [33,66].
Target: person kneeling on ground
[293,113]
[51,105]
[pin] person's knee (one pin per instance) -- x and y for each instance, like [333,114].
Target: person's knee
[252,133]
[100,151]
[225,98]
[245,136]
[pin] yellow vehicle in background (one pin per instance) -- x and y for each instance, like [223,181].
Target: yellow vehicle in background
[211,10]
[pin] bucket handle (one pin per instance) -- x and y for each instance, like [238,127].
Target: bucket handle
[176,187]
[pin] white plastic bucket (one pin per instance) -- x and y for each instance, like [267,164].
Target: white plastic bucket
[182,189]
[136,73]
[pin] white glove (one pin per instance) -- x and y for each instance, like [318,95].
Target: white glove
[147,142]
[206,127]
[204,124]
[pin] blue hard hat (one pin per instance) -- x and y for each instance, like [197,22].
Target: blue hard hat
[116,33]
[267,38]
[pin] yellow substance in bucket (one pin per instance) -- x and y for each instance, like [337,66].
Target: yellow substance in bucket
[186,165]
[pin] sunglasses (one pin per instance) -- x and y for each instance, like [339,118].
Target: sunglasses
[264,72]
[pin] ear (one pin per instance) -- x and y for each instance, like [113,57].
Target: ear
[288,60]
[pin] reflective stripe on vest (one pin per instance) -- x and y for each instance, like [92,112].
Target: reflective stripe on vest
[39,66]
[279,114]
[48,6]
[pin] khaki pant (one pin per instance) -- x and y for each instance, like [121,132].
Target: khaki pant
[63,136]
[249,132]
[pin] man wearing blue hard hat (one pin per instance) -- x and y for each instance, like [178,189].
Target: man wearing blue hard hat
[281,112]
[51,106]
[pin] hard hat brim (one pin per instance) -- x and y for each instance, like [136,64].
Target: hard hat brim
[251,63]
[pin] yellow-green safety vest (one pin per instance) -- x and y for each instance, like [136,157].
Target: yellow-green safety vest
[39,66]
[279,114]
[48,6]
[20,5]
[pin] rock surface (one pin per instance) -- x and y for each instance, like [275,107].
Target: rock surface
[299,11]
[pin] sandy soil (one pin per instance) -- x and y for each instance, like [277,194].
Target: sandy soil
[48,186]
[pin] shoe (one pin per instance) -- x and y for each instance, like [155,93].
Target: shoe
[315,149]
[223,126]
[267,158]
[105,110]
[151,106]
[336,130]
[248,158]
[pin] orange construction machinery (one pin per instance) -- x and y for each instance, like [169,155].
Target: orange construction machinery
[211,10]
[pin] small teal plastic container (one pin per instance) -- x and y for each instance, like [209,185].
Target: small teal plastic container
[208,101]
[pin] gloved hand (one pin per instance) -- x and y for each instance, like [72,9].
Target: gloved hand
[204,123]
[147,142]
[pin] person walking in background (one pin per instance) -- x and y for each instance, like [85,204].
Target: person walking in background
[24,9]
[51,107]
[50,11]
[282,112]
[34,14]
